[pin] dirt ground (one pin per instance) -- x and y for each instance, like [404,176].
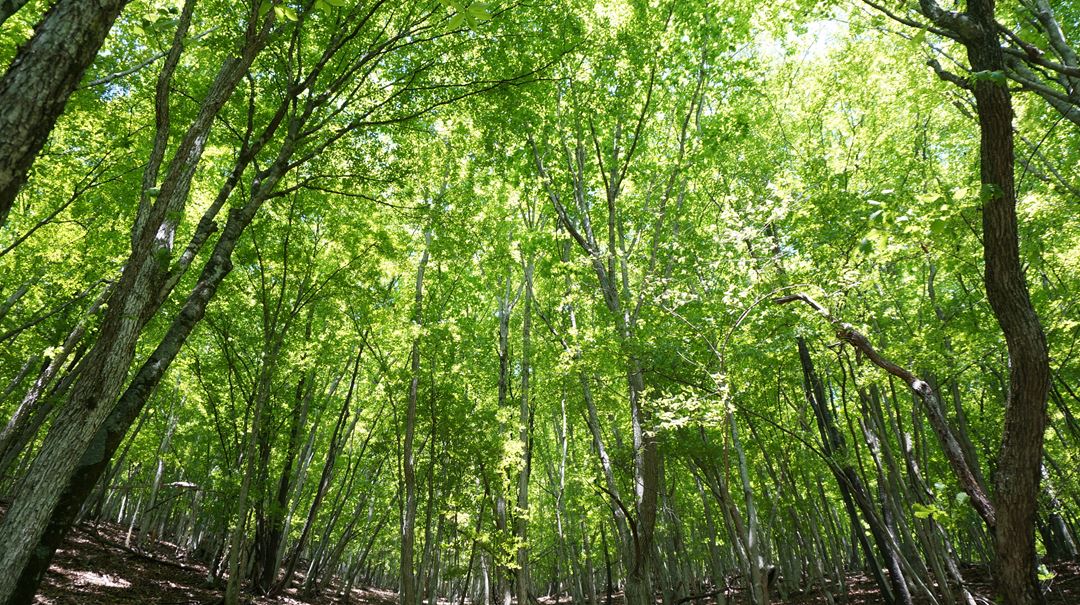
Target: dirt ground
[94,567]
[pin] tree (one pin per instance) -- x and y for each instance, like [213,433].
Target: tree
[1019,460]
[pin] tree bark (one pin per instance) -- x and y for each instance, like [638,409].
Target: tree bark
[95,457]
[852,489]
[961,467]
[1020,456]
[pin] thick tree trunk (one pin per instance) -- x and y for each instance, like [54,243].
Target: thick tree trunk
[40,79]
[1020,457]
[1019,461]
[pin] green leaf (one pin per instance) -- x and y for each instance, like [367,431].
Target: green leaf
[923,511]
[480,11]
[1045,575]
[286,12]
[990,191]
[456,21]
[994,77]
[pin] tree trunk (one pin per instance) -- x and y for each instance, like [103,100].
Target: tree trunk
[524,421]
[503,586]
[19,429]
[1020,457]
[408,522]
[852,489]
[103,444]
[268,563]
[337,441]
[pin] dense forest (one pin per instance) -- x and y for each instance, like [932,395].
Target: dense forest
[590,301]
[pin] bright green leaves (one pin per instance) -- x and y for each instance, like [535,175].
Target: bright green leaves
[328,6]
[473,13]
[1045,575]
[286,12]
[157,22]
[923,511]
[993,77]
[989,191]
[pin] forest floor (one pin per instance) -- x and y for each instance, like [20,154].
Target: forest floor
[94,567]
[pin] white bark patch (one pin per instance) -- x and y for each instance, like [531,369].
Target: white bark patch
[89,578]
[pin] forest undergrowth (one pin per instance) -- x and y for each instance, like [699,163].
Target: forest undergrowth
[95,566]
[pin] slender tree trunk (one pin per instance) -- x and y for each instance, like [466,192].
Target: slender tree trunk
[521,521]
[639,589]
[159,471]
[852,489]
[268,563]
[337,440]
[408,592]
[256,432]
[16,433]
[472,549]
[504,585]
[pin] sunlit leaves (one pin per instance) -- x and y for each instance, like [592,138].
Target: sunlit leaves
[471,13]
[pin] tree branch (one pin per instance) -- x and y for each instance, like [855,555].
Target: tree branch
[969,482]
